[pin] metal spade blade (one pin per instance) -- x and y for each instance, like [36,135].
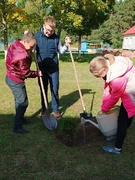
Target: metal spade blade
[49,121]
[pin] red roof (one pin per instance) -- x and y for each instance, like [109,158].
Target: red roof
[129,31]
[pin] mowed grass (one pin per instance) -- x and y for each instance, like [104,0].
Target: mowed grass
[39,155]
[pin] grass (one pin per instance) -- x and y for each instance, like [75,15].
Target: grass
[1,54]
[40,155]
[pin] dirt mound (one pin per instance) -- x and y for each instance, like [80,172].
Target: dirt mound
[84,136]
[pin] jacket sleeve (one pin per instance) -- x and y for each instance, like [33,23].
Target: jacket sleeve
[62,49]
[113,91]
[24,66]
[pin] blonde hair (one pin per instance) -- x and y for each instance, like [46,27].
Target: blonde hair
[28,37]
[97,64]
[50,20]
[110,57]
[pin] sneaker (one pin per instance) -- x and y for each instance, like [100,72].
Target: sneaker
[112,149]
[20,131]
[57,115]
[111,138]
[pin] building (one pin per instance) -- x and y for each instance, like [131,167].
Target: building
[129,39]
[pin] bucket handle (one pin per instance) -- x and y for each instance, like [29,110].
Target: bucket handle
[110,111]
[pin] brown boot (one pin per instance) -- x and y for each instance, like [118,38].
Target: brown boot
[57,115]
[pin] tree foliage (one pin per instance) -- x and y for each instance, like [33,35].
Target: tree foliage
[75,17]
[78,16]
[10,16]
[121,19]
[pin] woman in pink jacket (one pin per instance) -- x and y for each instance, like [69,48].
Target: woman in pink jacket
[119,75]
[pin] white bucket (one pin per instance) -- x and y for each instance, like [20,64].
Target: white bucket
[107,122]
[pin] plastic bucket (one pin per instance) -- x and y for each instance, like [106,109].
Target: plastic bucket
[107,122]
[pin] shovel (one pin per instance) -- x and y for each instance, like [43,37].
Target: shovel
[84,114]
[48,119]
[90,116]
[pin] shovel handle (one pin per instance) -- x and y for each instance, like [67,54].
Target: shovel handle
[41,82]
[79,89]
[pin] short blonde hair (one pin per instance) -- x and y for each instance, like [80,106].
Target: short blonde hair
[50,20]
[97,64]
[28,37]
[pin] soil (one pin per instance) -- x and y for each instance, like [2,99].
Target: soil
[84,136]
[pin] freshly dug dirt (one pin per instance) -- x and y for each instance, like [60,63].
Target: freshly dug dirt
[83,136]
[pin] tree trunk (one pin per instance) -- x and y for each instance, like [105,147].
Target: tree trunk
[79,46]
[5,36]
[4,30]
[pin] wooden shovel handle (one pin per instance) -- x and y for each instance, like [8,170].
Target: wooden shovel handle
[79,89]
[41,82]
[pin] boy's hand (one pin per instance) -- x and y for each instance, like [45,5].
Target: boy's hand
[67,41]
[39,74]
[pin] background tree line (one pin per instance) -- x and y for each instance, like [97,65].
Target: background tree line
[99,19]
[122,17]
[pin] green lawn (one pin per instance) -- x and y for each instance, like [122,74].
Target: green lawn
[40,155]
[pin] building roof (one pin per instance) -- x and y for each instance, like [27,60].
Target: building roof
[129,31]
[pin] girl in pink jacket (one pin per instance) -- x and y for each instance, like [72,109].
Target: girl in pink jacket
[119,75]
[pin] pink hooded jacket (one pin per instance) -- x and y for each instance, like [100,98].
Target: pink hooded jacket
[120,84]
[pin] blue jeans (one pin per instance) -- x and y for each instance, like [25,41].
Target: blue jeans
[21,100]
[53,79]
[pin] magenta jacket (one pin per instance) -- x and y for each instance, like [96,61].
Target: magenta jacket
[120,84]
[18,62]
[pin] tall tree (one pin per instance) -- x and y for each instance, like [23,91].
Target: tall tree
[79,17]
[4,8]
[36,10]
[121,18]
[10,15]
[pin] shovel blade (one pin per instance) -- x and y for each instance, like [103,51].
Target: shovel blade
[49,121]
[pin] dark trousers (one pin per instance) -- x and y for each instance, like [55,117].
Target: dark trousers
[21,101]
[53,79]
[123,124]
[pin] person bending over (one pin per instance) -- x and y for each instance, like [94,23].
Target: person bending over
[18,62]
[119,75]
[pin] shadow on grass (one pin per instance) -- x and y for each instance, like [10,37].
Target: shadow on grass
[69,132]
[41,155]
[36,151]
[7,120]
[68,100]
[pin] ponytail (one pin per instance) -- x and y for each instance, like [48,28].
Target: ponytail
[110,57]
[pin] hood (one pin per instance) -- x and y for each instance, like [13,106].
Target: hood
[120,67]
